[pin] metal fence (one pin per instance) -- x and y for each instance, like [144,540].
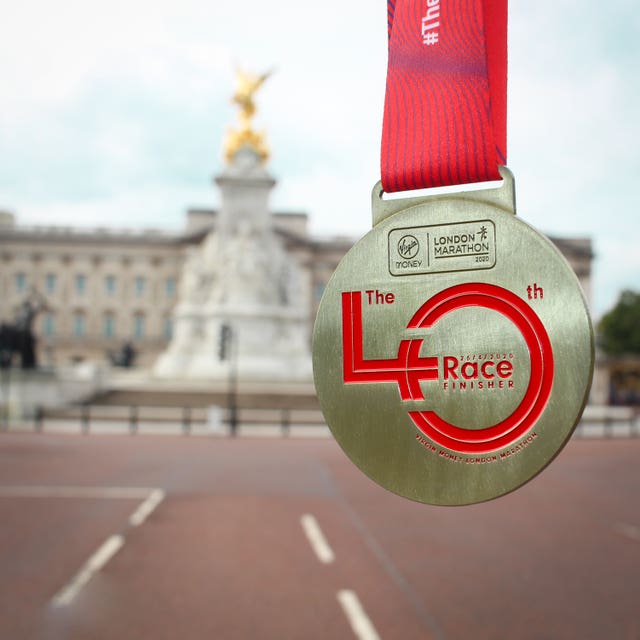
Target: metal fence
[609,427]
[135,419]
[603,422]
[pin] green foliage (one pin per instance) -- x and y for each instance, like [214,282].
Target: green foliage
[619,330]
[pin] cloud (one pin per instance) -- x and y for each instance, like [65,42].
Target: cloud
[150,206]
[338,204]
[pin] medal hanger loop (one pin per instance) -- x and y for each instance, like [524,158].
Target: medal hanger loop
[501,195]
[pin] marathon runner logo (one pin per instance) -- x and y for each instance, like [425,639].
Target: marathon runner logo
[477,372]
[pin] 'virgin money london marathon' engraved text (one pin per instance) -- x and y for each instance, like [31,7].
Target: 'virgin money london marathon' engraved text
[465,244]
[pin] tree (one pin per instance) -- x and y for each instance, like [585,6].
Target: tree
[619,329]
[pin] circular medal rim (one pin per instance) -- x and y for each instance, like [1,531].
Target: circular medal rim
[468,207]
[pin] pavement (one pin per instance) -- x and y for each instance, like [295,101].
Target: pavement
[112,536]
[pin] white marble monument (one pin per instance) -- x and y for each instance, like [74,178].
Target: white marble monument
[242,278]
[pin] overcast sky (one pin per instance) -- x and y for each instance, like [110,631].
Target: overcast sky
[113,113]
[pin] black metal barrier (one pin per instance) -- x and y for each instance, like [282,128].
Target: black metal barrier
[86,418]
[37,419]
[286,422]
[188,418]
[133,419]
[184,419]
[609,427]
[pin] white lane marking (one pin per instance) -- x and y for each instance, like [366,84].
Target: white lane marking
[627,530]
[316,539]
[151,499]
[358,619]
[109,493]
[95,563]
[146,508]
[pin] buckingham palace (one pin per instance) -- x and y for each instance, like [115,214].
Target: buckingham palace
[100,288]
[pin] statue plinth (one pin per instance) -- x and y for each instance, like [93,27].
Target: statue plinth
[241,277]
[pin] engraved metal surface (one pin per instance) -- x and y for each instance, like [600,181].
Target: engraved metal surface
[453,350]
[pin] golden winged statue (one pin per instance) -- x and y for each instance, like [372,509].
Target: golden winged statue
[247,84]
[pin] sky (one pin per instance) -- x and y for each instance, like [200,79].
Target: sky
[113,114]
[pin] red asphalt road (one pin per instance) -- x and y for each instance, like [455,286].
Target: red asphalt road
[225,556]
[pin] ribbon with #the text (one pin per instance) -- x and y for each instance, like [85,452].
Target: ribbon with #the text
[445,113]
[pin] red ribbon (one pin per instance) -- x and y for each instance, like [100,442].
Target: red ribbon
[445,113]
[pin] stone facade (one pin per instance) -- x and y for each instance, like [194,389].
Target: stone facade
[105,287]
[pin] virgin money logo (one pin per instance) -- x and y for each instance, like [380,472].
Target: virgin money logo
[408,369]
[408,247]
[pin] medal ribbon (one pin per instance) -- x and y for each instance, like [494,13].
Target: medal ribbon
[445,112]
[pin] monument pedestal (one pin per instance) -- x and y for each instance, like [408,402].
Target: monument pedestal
[242,278]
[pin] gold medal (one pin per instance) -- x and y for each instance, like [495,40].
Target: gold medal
[453,350]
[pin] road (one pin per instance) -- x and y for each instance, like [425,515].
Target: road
[275,538]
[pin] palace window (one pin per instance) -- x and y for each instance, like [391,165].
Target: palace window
[168,328]
[140,285]
[109,325]
[110,285]
[49,324]
[170,287]
[138,325]
[50,282]
[81,284]
[79,324]
[21,282]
